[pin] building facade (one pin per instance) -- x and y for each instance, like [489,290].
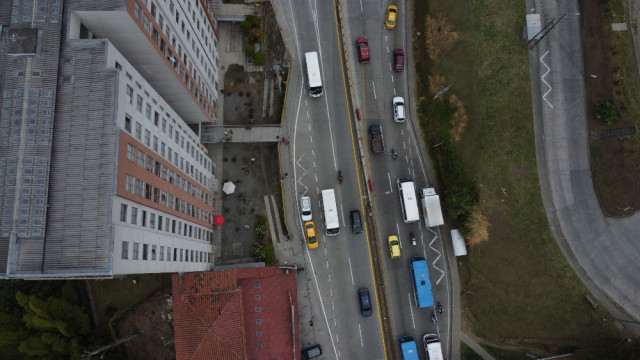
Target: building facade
[102,172]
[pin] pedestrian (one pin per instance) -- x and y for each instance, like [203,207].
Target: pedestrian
[231,131]
[283,139]
[253,160]
[286,141]
[226,133]
[286,174]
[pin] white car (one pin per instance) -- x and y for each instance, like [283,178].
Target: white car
[305,208]
[398,109]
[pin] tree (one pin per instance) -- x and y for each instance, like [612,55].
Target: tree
[56,326]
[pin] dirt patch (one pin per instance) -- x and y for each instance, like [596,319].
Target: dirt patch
[611,75]
[255,180]
[152,322]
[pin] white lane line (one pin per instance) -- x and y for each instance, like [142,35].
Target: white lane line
[413,319]
[351,270]
[432,247]
[390,183]
[544,97]
[360,330]
[373,85]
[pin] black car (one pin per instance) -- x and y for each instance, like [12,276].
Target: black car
[311,352]
[365,302]
[356,221]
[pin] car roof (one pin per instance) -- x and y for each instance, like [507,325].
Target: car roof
[398,99]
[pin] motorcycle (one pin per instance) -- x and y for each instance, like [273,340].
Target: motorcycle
[394,154]
[434,319]
[413,238]
[340,176]
[439,308]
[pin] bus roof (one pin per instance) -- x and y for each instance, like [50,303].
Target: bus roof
[330,210]
[408,347]
[409,199]
[313,69]
[420,273]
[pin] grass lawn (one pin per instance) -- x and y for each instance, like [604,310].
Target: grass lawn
[518,291]
[122,294]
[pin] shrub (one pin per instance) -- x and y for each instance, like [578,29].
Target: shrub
[248,50]
[606,111]
[258,59]
[264,253]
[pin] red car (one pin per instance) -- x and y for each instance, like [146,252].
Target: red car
[398,60]
[363,50]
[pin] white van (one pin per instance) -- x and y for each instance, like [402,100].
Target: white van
[305,208]
[398,109]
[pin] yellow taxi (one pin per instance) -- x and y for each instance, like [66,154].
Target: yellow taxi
[394,246]
[310,231]
[392,13]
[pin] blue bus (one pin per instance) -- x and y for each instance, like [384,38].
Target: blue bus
[421,283]
[408,348]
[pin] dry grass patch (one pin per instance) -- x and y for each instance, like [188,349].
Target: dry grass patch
[459,119]
[439,34]
[480,226]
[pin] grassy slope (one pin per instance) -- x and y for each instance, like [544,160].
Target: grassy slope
[518,285]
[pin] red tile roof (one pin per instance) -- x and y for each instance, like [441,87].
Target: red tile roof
[235,314]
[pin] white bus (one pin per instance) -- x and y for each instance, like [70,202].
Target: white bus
[408,201]
[313,74]
[330,212]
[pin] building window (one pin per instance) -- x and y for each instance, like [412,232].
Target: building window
[147,137]
[258,309]
[257,297]
[131,152]
[144,218]
[152,220]
[175,254]
[138,131]
[127,123]
[141,157]
[125,250]
[164,125]
[139,103]
[159,222]
[156,195]
[136,247]
[147,24]
[161,253]
[128,184]
[258,333]
[153,252]
[258,321]
[123,212]
[168,253]
[145,250]
[129,94]
[148,189]
[170,131]
[147,112]
[181,255]
[155,143]
[150,164]
[162,149]
[139,187]
[138,11]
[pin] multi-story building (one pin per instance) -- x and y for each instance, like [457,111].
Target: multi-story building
[102,172]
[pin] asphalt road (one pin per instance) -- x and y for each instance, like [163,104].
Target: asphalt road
[324,140]
[323,145]
[376,84]
[603,251]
